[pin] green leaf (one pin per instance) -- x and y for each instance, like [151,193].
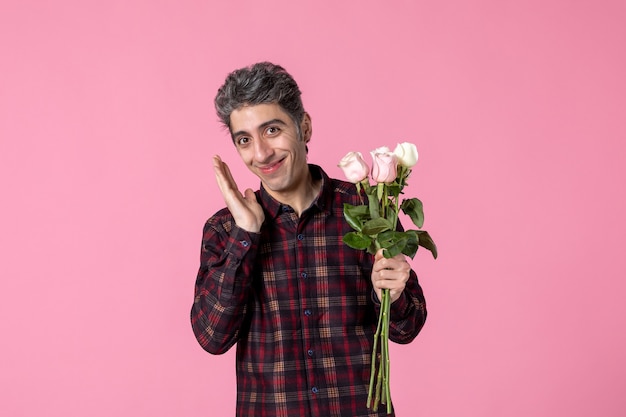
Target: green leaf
[412,244]
[372,248]
[374,203]
[357,240]
[427,242]
[393,242]
[395,248]
[359,211]
[376,226]
[394,189]
[413,208]
[386,238]
[349,213]
[380,190]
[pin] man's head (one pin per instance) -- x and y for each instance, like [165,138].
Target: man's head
[261,83]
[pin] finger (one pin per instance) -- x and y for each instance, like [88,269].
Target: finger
[225,180]
[379,260]
[221,170]
[392,272]
[382,263]
[390,284]
[217,164]
[249,195]
[229,176]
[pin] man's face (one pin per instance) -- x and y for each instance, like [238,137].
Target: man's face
[267,141]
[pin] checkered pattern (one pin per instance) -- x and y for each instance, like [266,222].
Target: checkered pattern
[299,305]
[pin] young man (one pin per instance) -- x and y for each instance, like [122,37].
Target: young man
[275,277]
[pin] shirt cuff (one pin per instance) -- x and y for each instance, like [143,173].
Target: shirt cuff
[398,308]
[241,241]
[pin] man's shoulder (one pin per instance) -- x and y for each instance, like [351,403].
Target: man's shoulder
[345,191]
[343,187]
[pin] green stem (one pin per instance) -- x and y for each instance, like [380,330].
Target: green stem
[385,201]
[381,383]
[386,347]
[374,357]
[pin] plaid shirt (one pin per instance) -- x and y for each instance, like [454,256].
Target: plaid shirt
[300,306]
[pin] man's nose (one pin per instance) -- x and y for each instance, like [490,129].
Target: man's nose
[262,150]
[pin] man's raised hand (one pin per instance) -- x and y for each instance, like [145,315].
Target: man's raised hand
[246,211]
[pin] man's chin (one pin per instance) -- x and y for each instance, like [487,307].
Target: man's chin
[274,186]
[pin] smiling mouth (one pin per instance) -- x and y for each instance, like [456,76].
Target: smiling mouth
[270,169]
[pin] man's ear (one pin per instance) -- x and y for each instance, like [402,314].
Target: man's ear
[306,127]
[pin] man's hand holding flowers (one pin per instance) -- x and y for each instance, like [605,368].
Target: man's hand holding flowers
[390,274]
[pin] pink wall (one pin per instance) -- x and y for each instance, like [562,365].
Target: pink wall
[106,129]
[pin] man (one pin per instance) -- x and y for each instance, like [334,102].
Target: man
[275,277]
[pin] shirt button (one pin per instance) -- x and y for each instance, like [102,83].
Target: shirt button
[307,312]
[309,352]
[303,274]
[245,243]
[315,390]
[300,236]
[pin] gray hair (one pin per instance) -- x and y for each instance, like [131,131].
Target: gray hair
[261,83]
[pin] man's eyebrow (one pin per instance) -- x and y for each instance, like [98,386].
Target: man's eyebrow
[261,127]
[271,122]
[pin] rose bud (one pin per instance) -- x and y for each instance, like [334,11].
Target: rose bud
[384,165]
[406,153]
[354,167]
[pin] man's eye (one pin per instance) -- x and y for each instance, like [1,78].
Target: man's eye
[272,130]
[243,141]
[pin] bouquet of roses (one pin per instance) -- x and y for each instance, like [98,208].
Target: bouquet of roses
[376,227]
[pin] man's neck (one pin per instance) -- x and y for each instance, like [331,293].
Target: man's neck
[301,198]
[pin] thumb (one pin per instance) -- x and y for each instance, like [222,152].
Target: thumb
[249,195]
[379,255]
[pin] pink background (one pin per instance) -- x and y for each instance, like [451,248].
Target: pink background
[107,126]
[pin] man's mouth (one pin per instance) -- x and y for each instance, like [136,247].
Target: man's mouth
[271,168]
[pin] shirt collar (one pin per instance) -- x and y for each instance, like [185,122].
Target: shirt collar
[273,207]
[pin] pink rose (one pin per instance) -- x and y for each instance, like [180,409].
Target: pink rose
[384,165]
[354,167]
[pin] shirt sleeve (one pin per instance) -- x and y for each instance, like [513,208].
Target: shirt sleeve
[408,312]
[223,285]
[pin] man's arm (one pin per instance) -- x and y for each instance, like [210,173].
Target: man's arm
[408,308]
[223,286]
[226,263]
[408,313]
